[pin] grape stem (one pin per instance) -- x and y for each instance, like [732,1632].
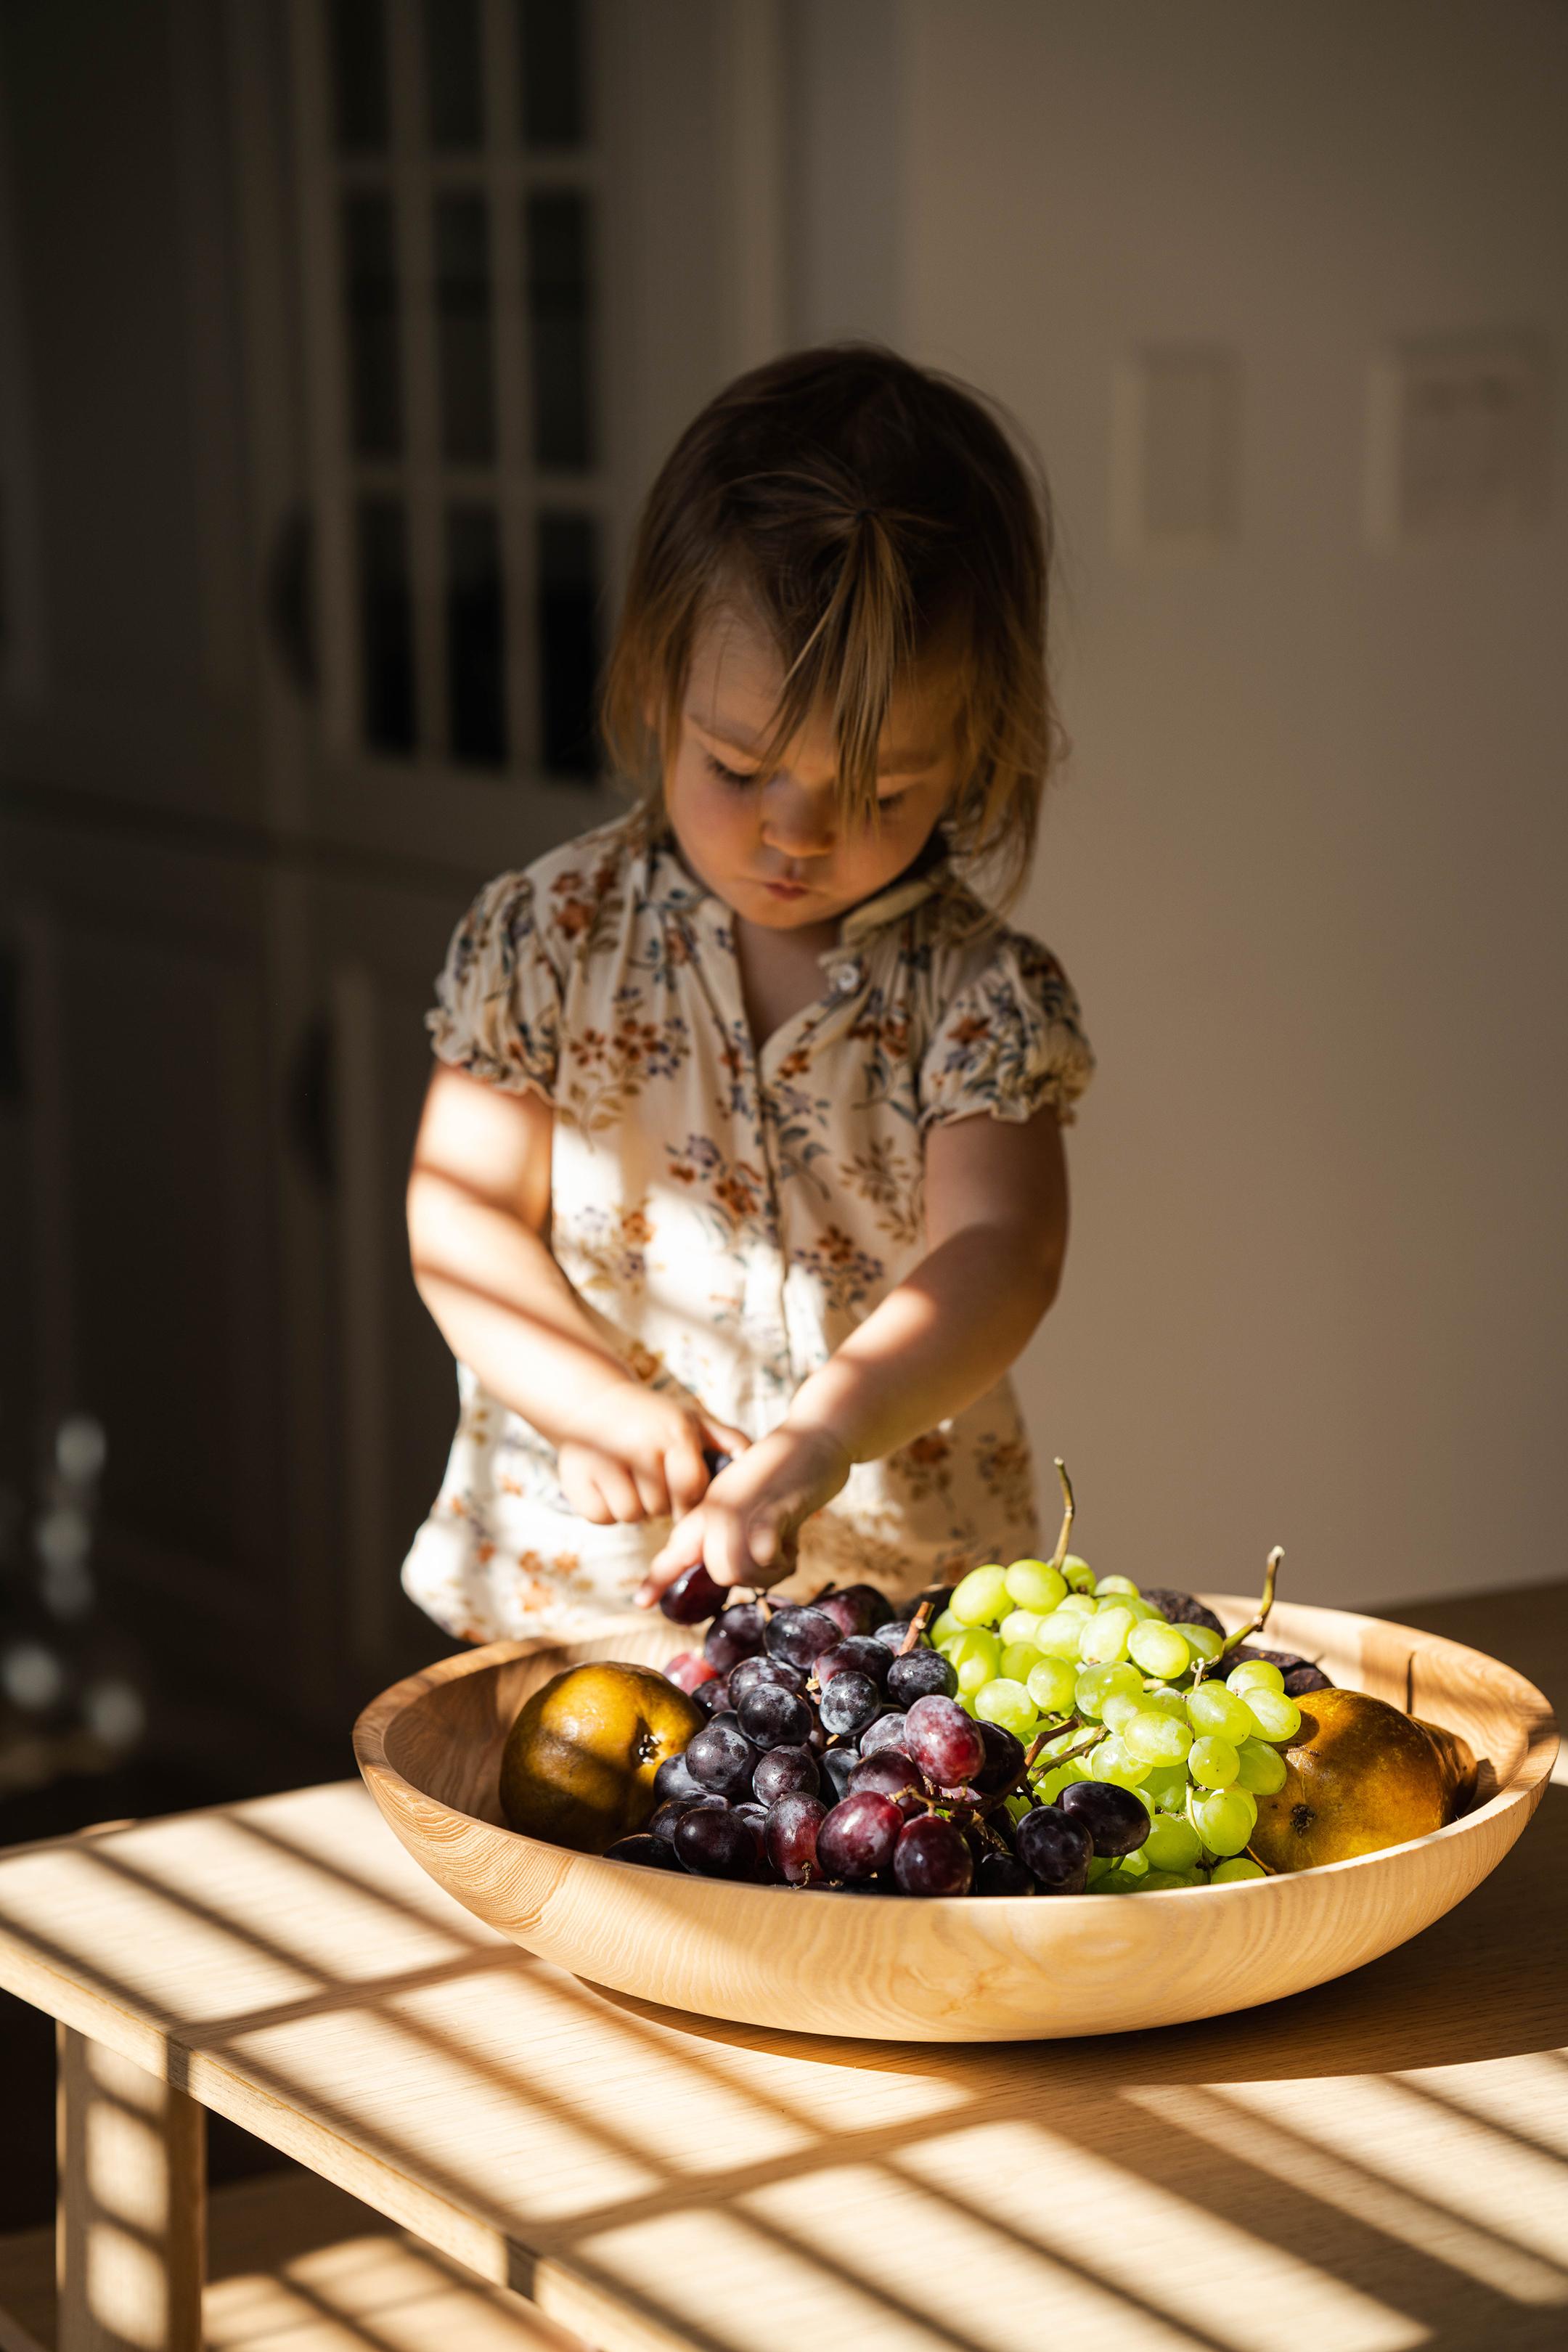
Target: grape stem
[916,1627]
[1262,1865]
[1069,1506]
[1047,1731]
[1253,1625]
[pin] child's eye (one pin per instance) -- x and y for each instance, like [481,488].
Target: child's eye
[889,800]
[729,776]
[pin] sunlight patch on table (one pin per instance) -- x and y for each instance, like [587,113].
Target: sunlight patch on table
[450,2113]
[978,2284]
[733,2284]
[1096,2214]
[1520,2095]
[1454,2160]
[1377,2204]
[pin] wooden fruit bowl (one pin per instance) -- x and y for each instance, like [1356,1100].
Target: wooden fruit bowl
[970,1969]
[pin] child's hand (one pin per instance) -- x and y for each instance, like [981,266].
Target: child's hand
[744,1528]
[643,1459]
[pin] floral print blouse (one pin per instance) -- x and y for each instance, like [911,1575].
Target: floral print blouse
[733,1213]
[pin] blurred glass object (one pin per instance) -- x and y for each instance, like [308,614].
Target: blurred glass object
[386,626]
[454,75]
[63,1537]
[114,1713]
[552,40]
[466,359]
[556,241]
[476,636]
[568,573]
[370,320]
[81,1449]
[356,33]
[32,1677]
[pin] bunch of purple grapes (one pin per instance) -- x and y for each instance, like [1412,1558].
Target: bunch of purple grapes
[835,1756]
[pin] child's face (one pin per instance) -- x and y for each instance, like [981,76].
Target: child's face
[777,848]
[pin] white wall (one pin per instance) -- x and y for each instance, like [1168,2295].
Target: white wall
[1307,868]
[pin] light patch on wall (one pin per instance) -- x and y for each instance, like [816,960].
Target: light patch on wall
[1175,452]
[1457,438]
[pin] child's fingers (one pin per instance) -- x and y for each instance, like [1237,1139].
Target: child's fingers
[652,1491]
[721,1438]
[620,1494]
[683,1551]
[686,1473]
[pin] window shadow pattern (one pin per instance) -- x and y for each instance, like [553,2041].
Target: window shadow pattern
[1382,2161]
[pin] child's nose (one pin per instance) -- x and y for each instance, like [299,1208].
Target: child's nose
[798,820]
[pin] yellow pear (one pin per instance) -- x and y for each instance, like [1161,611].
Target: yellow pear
[579,1762]
[1359,1775]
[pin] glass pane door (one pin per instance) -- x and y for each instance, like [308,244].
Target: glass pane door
[450,193]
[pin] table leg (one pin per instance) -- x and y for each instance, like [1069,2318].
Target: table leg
[131,2244]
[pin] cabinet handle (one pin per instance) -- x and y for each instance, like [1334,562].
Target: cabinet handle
[309,1103]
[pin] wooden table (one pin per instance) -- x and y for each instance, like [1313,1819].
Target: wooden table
[1378,2164]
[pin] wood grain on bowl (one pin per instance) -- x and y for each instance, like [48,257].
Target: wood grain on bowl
[966,1969]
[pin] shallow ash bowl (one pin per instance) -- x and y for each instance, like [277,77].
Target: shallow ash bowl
[956,1969]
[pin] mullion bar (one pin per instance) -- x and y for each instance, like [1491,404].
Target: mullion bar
[415,250]
[326,354]
[515,509]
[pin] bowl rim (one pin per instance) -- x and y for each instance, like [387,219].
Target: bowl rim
[1526,1786]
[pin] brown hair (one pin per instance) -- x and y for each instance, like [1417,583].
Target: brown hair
[861,508]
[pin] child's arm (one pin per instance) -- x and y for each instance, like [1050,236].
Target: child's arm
[479,1215]
[997,1218]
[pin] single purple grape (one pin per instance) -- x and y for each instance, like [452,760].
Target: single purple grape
[923,1673]
[786,1772]
[933,1857]
[713,1698]
[849,1703]
[888,1730]
[1004,1758]
[891,1636]
[675,1778]
[791,1837]
[857,1653]
[837,1766]
[662,1825]
[943,1741]
[1114,1818]
[713,1844]
[1003,1874]
[693,1597]
[800,1636]
[653,1852]
[857,1839]
[892,1775]
[721,1758]
[737,1634]
[858,1609]
[772,1716]
[1055,1847]
[752,1670]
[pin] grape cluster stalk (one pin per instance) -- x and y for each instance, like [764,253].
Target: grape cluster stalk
[1034,1730]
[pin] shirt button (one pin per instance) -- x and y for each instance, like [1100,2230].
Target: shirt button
[846,977]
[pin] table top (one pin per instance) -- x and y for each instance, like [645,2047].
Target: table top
[1379,2163]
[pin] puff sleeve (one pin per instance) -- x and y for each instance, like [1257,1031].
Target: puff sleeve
[498,1008]
[1010,1041]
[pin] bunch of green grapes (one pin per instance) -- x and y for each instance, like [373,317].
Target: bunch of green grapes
[1110,1690]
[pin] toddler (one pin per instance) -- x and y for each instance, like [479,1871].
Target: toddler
[744,1134]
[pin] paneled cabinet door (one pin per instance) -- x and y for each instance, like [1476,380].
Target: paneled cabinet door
[143,1182]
